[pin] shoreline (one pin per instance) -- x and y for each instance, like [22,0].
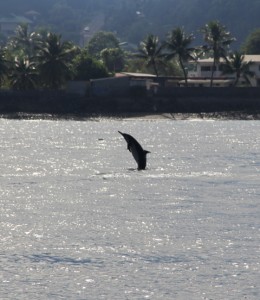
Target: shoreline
[221,116]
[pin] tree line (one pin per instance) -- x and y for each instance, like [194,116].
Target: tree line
[43,60]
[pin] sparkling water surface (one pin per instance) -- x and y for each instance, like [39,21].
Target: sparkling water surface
[78,221]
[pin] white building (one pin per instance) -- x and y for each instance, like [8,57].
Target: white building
[202,70]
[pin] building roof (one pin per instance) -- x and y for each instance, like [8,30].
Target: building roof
[138,75]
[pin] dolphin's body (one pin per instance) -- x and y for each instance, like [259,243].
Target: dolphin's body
[136,149]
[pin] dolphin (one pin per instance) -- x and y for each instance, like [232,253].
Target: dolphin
[136,149]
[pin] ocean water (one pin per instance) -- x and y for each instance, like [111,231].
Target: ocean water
[78,221]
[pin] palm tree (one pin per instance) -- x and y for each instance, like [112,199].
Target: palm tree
[178,44]
[235,64]
[3,65]
[218,41]
[150,51]
[23,74]
[54,60]
[25,41]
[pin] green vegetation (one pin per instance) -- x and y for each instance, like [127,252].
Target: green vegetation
[178,43]
[37,61]
[252,43]
[23,74]
[235,65]
[44,60]
[150,51]
[86,67]
[113,59]
[218,40]
[102,40]
[135,19]
[54,61]
[3,66]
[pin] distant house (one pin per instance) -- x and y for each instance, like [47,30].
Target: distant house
[8,24]
[124,83]
[200,72]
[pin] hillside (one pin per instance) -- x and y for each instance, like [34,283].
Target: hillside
[133,19]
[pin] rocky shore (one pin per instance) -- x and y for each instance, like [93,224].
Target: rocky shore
[225,115]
